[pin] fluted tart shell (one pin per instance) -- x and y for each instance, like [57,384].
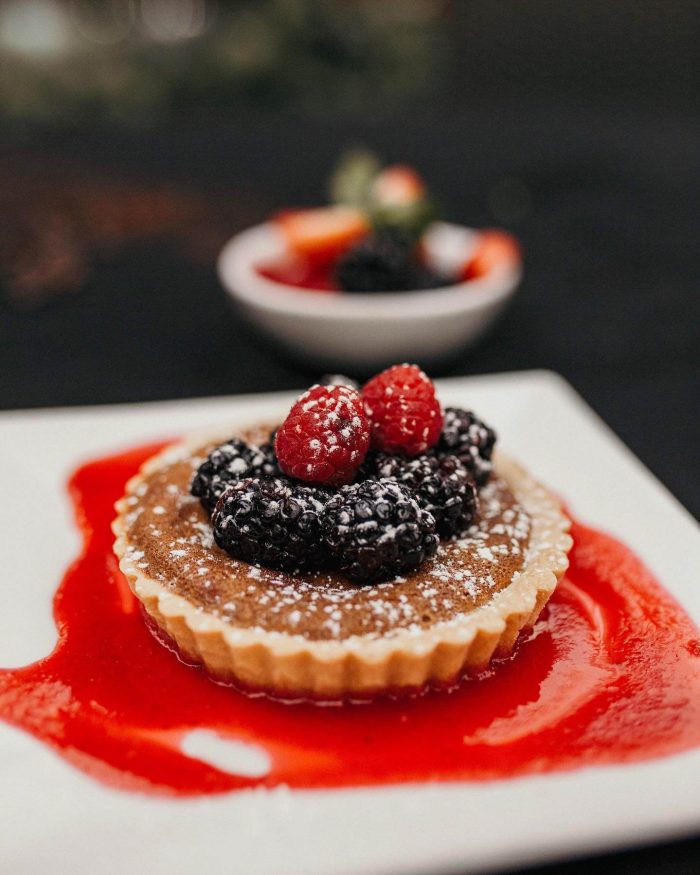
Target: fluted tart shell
[316,635]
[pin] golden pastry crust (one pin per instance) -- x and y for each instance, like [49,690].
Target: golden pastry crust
[293,666]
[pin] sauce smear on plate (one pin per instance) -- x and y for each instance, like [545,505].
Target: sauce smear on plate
[611,674]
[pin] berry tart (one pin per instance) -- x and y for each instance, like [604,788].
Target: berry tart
[370,543]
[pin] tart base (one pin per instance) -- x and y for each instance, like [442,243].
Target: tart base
[290,666]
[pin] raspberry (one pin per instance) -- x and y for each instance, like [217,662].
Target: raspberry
[405,414]
[470,440]
[271,521]
[325,437]
[443,487]
[227,463]
[376,529]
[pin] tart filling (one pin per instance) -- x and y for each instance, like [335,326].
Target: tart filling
[316,634]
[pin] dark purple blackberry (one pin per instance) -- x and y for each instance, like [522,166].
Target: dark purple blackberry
[383,263]
[443,487]
[229,462]
[271,467]
[368,468]
[470,440]
[375,530]
[273,522]
[425,277]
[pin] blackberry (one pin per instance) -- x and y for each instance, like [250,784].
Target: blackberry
[376,529]
[270,466]
[425,277]
[383,263]
[470,440]
[229,462]
[442,486]
[368,469]
[271,521]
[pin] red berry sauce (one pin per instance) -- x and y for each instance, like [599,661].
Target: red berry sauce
[610,675]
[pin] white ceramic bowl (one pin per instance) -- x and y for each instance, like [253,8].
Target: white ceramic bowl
[363,331]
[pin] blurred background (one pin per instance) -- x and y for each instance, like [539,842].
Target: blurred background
[136,136]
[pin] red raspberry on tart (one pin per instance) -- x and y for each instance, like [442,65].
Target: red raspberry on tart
[405,413]
[325,437]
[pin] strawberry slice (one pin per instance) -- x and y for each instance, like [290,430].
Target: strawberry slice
[397,186]
[296,271]
[324,233]
[493,248]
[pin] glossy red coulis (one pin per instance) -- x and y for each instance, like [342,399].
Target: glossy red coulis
[610,675]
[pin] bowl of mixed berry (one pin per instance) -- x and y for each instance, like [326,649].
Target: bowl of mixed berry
[373,277]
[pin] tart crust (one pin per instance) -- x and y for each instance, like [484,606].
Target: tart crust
[292,666]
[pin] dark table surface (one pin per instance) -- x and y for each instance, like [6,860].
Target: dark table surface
[605,202]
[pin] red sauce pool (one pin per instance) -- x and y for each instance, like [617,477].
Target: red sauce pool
[610,675]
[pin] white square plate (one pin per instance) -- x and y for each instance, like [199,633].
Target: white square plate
[56,819]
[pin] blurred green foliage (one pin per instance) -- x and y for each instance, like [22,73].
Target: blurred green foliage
[140,60]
